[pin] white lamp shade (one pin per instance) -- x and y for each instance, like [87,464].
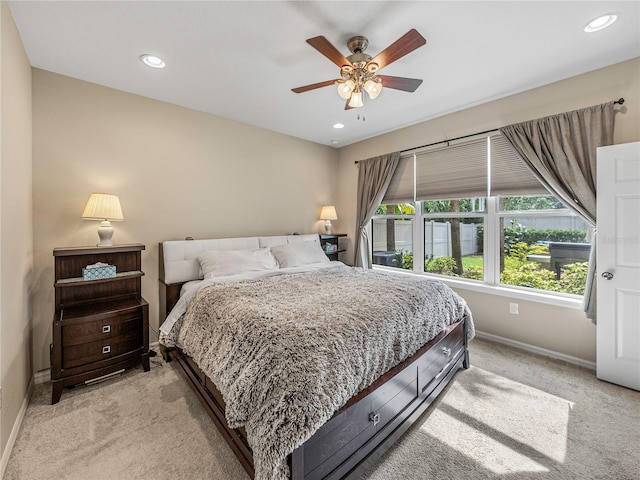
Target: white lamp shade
[328,212]
[356,100]
[102,206]
[373,88]
[345,88]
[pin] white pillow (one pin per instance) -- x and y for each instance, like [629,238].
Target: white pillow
[222,263]
[299,253]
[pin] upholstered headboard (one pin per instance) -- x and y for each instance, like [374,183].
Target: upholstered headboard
[179,260]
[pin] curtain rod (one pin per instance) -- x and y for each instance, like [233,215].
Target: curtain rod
[620,101]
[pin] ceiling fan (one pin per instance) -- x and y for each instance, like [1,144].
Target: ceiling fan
[359,71]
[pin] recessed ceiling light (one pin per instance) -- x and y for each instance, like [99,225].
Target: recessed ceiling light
[152,61]
[338,125]
[334,142]
[600,23]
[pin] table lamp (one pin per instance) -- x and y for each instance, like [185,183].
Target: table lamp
[105,207]
[327,214]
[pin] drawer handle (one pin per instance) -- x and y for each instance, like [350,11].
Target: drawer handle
[106,349]
[106,328]
[375,418]
[446,351]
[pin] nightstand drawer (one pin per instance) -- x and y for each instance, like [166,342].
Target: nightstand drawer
[85,353]
[104,327]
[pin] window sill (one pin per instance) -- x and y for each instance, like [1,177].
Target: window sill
[520,293]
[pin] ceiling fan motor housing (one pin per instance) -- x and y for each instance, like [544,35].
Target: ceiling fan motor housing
[357,44]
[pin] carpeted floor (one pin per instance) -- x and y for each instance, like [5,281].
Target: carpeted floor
[513,415]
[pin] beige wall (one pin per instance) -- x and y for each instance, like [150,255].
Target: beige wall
[177,172]
[536,324]
[15,225]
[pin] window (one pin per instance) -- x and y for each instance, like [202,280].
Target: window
[545,244]
[393,236]
[451,232]
[497,226]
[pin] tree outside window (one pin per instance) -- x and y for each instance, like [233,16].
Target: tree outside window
[538,243]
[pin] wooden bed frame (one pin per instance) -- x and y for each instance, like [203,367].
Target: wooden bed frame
[361,431]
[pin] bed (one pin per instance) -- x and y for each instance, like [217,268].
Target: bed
[310,369]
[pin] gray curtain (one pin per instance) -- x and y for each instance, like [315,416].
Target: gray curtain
[374,176]
[561,152]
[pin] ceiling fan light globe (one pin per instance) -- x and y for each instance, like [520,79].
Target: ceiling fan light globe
[345,89]
[356,100]
[373,88]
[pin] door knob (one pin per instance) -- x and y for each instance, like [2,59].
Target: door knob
[607,275]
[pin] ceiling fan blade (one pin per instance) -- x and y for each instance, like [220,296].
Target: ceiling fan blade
[400,83]
[398,49]
[324,47]
[313,86]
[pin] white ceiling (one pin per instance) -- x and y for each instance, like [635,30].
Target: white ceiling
[240,59]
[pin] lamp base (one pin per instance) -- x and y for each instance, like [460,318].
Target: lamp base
[105,232]
[327,227]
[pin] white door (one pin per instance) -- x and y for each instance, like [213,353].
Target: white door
[618,257]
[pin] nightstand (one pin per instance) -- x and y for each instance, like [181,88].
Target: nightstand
[100,326]
[332,239]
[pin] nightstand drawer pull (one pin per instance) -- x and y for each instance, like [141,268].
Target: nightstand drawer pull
[446,351]
[106,328]
[106,349]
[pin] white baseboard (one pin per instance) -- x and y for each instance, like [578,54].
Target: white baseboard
[540,351]
[6,453]
[43,376]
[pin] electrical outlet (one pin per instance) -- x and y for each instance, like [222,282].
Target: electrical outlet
[513,308]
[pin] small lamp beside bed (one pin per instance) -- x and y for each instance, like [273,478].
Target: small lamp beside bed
[327,214]
[105,207]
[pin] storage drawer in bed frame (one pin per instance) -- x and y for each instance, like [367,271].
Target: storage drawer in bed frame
[370,422]
[383,407]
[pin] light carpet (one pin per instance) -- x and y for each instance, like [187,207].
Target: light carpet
[512,415]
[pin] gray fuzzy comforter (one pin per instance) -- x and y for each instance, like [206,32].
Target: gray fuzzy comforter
[287,351]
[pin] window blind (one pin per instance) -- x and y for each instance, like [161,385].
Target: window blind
[401,186]
[462,170]
[453,171]
[509,174]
